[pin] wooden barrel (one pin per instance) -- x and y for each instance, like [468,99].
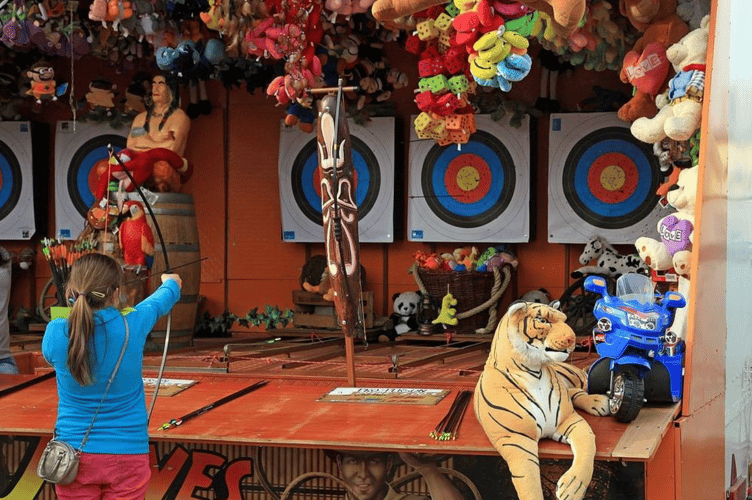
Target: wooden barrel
[176,216]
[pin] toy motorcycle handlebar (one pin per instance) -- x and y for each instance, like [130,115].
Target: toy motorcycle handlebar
[669,301]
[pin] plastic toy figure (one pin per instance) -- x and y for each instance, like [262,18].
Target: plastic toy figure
[640,358]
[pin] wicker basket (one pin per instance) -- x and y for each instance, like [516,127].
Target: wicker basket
[471,289]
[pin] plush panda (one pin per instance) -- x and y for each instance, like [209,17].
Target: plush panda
[404,318]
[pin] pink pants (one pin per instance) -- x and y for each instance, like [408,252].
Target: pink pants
[108,477]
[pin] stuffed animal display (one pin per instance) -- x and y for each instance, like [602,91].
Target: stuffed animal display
[609,262]
[526,393]
[467,259]
[680,107]
[565,15]
[674,248]
[661,28]
[405,316]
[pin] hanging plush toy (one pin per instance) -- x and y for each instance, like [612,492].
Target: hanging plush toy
[101,95]
[43,86]
[448,313]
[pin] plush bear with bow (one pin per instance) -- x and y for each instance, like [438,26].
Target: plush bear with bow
[681,105]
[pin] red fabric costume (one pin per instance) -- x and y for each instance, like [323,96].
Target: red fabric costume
[141,165]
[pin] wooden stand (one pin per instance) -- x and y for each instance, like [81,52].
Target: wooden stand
[312,311]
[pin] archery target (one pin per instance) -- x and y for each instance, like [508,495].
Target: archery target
[299,182]
[77,154]
[16,184]
[477,192]
[601,180]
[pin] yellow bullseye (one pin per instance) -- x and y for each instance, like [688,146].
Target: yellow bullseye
[613,178]
[468,178]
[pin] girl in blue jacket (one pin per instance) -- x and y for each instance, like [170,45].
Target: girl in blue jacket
[84,350]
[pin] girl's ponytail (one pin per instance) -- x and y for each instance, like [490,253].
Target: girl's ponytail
[81,329]
[91,286]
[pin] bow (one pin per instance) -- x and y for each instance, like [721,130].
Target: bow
[340,213]
[168,269]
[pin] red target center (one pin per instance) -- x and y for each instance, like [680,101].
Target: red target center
[613,178]
[1,179]
[467,178]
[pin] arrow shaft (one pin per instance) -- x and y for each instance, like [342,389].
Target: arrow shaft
[215,404]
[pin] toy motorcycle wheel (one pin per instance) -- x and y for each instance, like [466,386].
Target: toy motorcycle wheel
[626,398]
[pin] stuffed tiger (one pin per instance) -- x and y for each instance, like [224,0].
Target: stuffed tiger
[525,393]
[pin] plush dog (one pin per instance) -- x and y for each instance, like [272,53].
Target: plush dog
[526,393]
[609,262]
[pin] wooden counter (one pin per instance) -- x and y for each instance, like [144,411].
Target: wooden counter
[286,413]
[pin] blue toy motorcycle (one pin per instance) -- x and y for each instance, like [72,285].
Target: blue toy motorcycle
[640,359]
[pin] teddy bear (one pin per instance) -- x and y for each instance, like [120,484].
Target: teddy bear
[674,248]
[404,318]
[661,28]
[680,107]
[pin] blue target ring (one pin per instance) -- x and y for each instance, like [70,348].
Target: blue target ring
[10,180]
[634,205]
[305,186]
[80,170]
[487,196]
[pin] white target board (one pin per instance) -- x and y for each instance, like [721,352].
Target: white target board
[476,192]
[16,182]
[372,148]
[79,150]
[601,180]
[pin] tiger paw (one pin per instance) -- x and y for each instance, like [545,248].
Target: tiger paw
[594,404]
[573,484]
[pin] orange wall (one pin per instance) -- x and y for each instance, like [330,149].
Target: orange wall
[236,187]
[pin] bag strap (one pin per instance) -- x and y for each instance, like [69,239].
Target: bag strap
[109,382]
